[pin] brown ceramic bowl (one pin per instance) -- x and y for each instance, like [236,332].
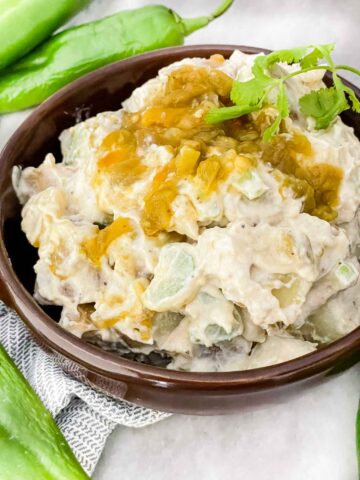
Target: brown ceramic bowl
[201,393]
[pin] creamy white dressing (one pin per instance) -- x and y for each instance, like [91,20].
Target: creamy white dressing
[254,281]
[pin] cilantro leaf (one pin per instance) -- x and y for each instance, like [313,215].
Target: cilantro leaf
[355,103]
[319,52]
[290,56]
[283,112]
[323,105]
[259,67]
[252,92]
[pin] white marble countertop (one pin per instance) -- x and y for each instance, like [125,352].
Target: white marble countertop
[311,437]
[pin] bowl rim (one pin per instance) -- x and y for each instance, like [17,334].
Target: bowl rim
[92,358]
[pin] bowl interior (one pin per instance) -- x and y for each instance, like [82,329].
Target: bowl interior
[100,91]
[103,90]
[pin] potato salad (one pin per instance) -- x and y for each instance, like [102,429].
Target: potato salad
[164,236]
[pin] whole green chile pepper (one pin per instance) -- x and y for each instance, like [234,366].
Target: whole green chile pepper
[26,23]
[79,50]
[31,445]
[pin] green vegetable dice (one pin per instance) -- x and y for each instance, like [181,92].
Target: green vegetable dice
[31,445]
[250,184]
[173,280]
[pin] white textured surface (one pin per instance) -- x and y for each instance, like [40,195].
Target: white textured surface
[308,438]
[311,437]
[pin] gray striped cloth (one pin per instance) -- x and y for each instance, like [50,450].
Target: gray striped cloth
[85,417]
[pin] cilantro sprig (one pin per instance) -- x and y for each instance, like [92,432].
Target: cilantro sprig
[323,105]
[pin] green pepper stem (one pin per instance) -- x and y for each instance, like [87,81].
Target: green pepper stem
[225,5]
[189,25]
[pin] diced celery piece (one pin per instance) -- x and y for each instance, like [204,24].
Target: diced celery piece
[213,318]
[164,323]
[215,334]
[345,274]
[250,184]
[172,280]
